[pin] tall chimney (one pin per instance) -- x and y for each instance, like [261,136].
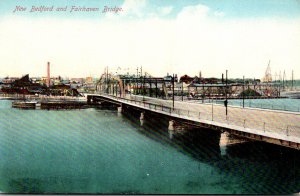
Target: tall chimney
[48,74]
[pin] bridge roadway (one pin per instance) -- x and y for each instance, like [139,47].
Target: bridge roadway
[278,127]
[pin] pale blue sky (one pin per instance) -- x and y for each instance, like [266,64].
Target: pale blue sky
[232,8]
[183,37]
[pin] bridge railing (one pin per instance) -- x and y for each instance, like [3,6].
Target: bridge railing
[288,130]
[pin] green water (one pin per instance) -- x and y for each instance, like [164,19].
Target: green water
[100,151]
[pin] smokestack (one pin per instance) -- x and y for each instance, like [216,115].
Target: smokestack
[48,74]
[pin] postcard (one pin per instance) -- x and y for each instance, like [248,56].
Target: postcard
[149,97]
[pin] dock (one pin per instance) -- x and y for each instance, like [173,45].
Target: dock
[53,105]
[24,104]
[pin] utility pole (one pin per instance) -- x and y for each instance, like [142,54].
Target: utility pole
[136,80]
[117,88]
[144,85]
[222,78]
[113,85]
[226,101]
[243,91]
[173,81]
[182,90]
[156,87]
[106,80]
[150,89]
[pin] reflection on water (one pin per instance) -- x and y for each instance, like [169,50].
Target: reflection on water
[25,185]
[229,139]
[97,151]
[264,168]
[223,143]
[260,168]
[171,133]
[141,122]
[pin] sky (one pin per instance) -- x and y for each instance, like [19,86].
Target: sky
[170,36]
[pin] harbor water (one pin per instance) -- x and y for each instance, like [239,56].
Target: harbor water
[102,151]
[285,104]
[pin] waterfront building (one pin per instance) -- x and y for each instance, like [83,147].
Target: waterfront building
[186,79]
[23,86]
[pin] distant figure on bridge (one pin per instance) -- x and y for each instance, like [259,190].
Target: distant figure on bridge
[225,103]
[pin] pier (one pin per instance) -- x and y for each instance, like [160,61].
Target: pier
[276,127]
[48,102]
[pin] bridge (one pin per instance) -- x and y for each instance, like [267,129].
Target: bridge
[276,127]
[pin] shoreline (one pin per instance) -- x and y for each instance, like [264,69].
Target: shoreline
[40,97]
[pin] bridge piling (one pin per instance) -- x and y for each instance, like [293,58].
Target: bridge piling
[120,109]
[171,125]
[142,117]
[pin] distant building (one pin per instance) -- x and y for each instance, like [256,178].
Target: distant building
[43,80]
[36,80]
[23,86]
[56,80]
[186,79]
[88,80]
[77,80]
[8,80]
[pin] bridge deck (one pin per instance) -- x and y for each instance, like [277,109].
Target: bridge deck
[279,125]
